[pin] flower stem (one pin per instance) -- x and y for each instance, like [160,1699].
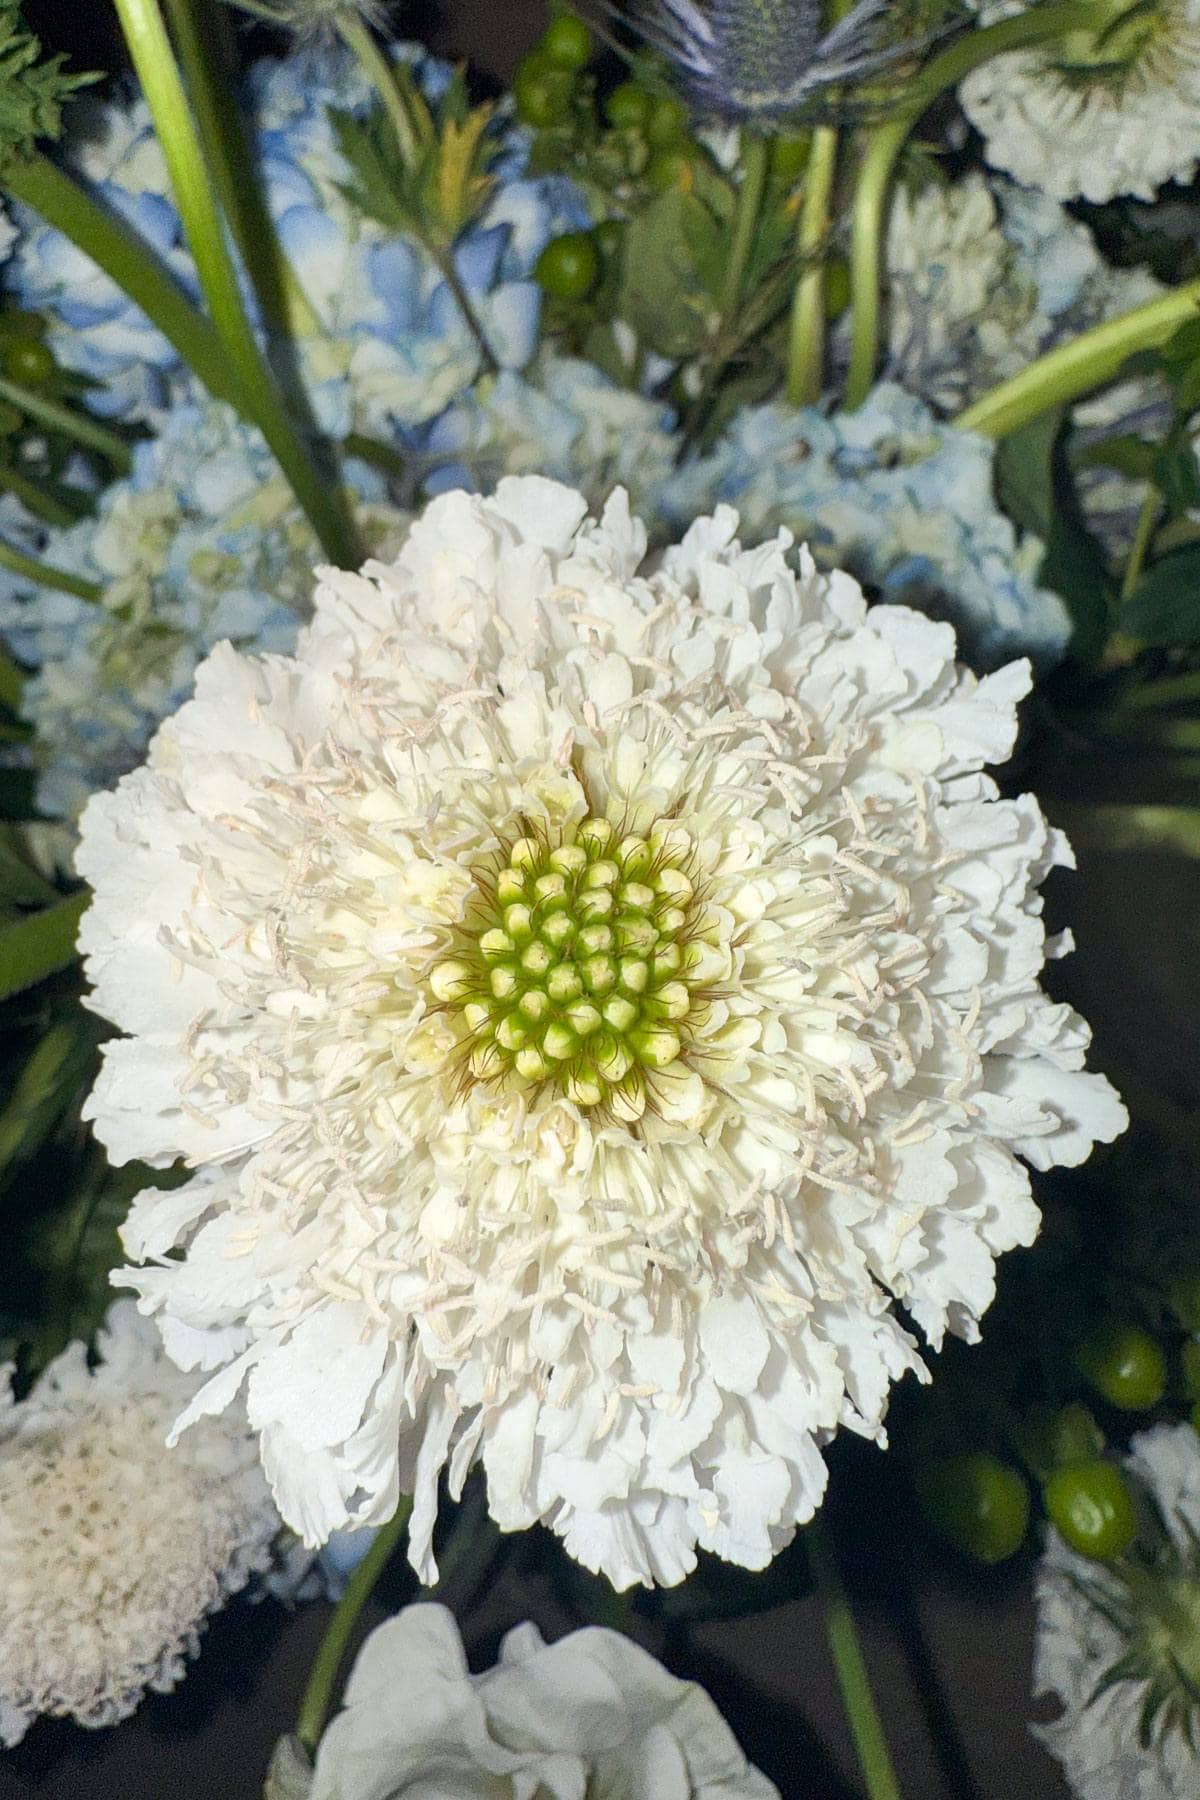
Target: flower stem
[114,247]
[322,500]
[228,154]
[37,500]
[318,1695]
[1086,362]
[850,1665]
[80,427]
[46,575]
[755,158]
[1143,533]
[382,76]
[884,145]
[806,358]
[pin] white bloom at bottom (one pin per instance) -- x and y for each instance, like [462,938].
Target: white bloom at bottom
[591,1714]
[113,1551]
[589,991]
[1096,1737]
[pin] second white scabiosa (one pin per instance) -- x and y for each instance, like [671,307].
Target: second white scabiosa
[1112,109]
[589,992]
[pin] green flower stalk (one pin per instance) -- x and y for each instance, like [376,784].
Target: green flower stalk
[323,501]
[883,150]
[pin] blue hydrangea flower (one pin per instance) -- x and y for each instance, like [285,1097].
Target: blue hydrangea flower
[901,500]
[381,336]
[203,541]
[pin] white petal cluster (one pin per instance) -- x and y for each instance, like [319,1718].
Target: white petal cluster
[1097,1739]
[113,1552]
[1093,116]
[591,1713]
[589,992]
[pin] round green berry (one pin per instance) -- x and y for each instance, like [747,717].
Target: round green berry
[542,92]
[666,124]
[28,361]
[569,266]
[628,107]
[566,42]
[669,169]
[1091,1507]
[980,1503]
[1124,1365]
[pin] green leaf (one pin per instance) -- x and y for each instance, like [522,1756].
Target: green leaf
[40,945]
[20,883]
[1036,489]
[1164,607]
[32,90]
[673,255]
[46,1084]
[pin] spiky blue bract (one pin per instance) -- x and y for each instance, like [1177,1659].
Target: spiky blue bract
[755,59]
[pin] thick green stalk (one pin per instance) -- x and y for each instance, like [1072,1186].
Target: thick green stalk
[851,1668]
[1086,362]
[81,428]
[318,1695]
[359,39]
[884,145]
[115,248]
[323,500]
[46,575]
[756,154]
[228,154]
[806,357]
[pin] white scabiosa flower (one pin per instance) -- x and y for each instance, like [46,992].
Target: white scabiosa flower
[588,992]
[1119,1647]
[591,1713]
[1095,113]
[113,1551]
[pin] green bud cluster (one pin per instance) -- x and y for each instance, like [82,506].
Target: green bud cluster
[572,968]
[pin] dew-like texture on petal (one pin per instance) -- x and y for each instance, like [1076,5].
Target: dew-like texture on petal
[590,1714]
[609,985]
[1093,122]
[114,1551]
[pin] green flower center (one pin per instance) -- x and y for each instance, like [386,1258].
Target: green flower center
[571,966]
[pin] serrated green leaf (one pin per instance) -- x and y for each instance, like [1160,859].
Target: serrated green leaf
[40,945]
[1164,607]
[32,88]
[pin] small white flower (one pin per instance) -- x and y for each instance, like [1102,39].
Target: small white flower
[114,1551]
[1097,1736]
[1097,113]
[591,1713]
[588,991]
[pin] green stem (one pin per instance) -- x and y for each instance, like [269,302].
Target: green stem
[755,159]
[47,576]
[383,77]
[115,248]
[80,427]
[1086,362]
[318,1695]
[883,150]
[850,1665]
[1143,532]
[228,154]
[323,500]
[1170,691]
[359,39]
[806,357]
[39,501]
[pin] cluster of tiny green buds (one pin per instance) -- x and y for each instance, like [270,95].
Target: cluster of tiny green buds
[572,967]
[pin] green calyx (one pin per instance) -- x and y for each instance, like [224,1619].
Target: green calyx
[571,968]
[1124,31]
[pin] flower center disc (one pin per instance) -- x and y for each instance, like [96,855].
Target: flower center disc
[571,966]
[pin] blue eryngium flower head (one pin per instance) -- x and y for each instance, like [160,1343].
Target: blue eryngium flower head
[756,59]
